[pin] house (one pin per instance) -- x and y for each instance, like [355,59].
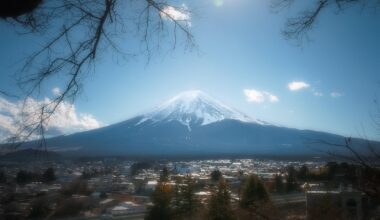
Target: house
[151,185]
[128,207]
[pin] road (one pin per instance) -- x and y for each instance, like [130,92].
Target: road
[285,199]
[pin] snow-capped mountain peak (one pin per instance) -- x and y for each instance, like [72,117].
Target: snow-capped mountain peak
[195,108]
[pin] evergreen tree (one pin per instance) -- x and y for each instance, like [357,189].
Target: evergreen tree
[186,204]
[3,177]
[137,167]
[40,208]
[241,178]
[248,195]
[220,203]
[255,197]
[177,198]
[24,177]
[332,168]
[303,173]
[254,192]
[278,184]
[164,175]
[216,175]
[161,199]
[49,175]
[77,186]
[261,191]
[291,183]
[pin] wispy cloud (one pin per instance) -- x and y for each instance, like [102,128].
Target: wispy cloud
[65,119]
[180,14]
[336,94]
[319,94]
[257,96]
[56,91]
[297,85]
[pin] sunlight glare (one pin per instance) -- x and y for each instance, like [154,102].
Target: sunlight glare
[218,3]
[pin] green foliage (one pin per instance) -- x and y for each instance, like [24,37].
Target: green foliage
[161,199]
[220,203]
[186,202]
[216,175]
[254,192]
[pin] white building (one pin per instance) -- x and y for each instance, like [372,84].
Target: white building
[151,185]
[128,208]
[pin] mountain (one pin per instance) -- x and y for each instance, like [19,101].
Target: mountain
[194,108]
[194,123]
[30,155]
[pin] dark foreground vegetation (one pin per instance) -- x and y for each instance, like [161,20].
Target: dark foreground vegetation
[220,189]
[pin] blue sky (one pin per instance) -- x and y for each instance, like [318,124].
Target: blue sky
[240,48]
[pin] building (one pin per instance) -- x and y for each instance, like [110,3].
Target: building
[347,204]
[151,185]
[127,208]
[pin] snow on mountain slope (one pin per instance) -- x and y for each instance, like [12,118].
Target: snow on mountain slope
[194,108]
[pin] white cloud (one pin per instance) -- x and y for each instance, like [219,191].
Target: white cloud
[56,91]
[181,14]
[319,94]
[253,95]
[298,85]
[336,94]
[272,98]
[65,119]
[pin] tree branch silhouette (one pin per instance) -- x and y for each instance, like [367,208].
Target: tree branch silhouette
[369,172]
[87,30]
[298,27]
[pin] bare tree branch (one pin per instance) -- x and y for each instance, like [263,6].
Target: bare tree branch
[369,173]
[298,27]
[87,30]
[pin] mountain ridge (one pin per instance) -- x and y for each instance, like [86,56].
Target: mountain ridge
[197,124]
